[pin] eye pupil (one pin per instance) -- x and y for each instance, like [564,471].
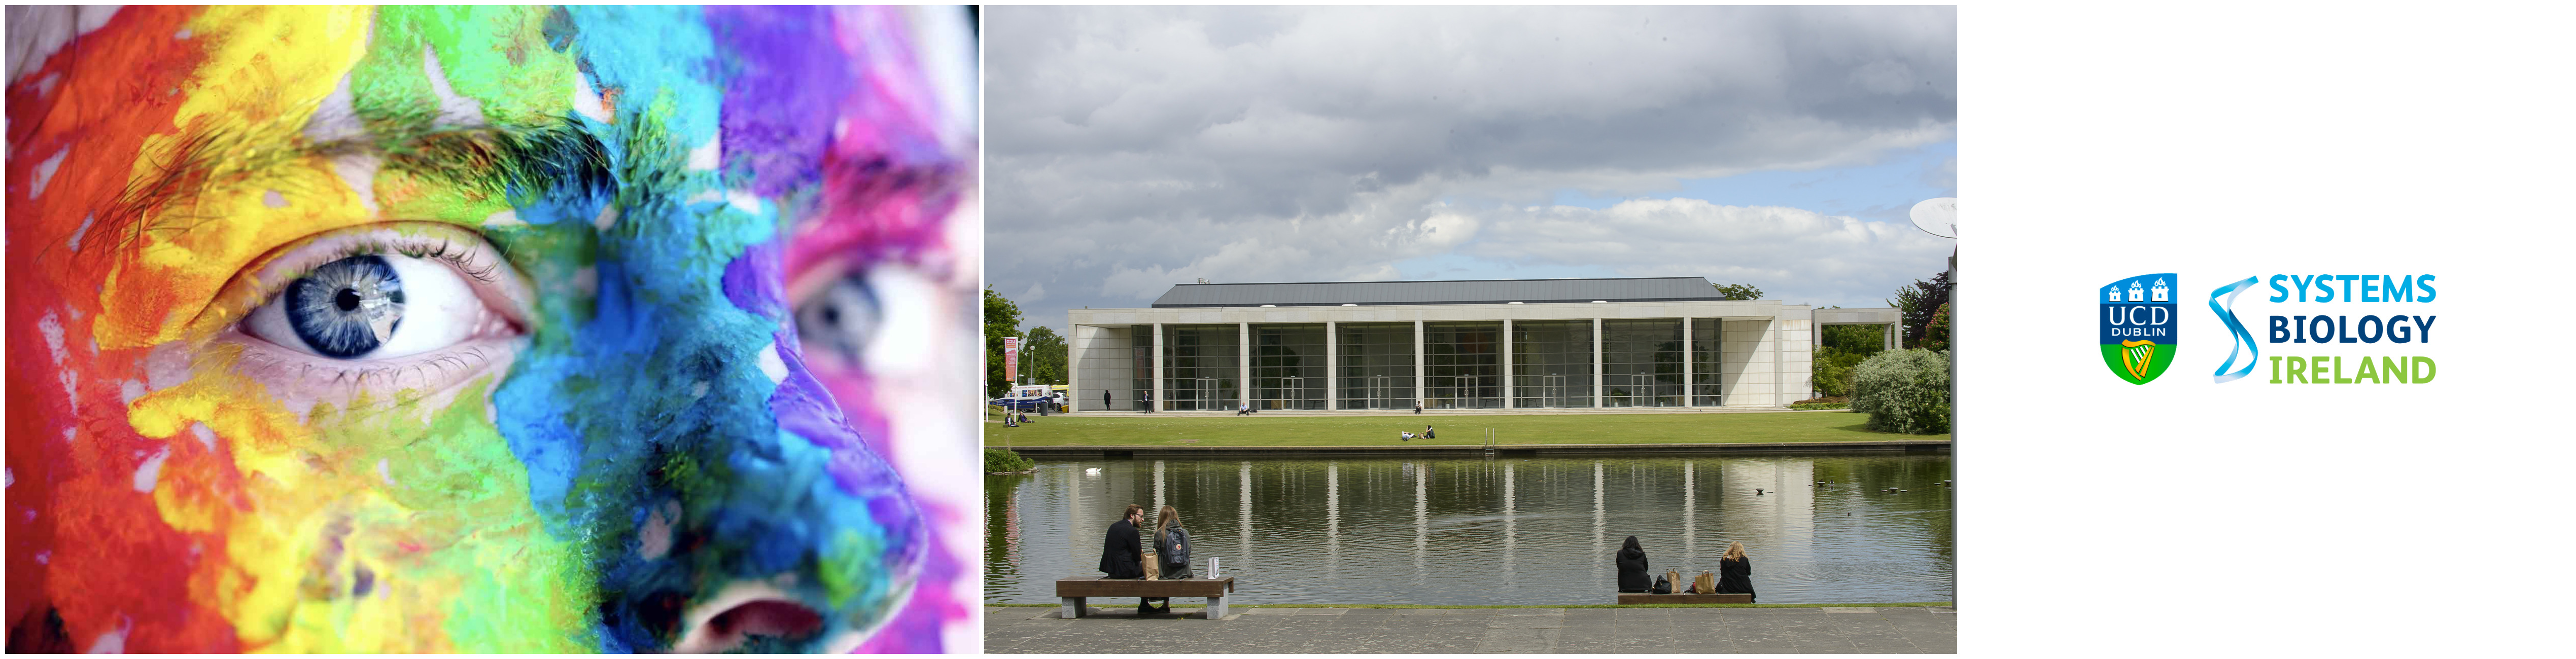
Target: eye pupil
[346,308]
[832,314]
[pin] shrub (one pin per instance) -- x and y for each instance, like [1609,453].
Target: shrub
[1833,370]
[1905,391]
[998,461]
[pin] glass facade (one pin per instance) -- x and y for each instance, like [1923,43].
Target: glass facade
[1376,368]
[1704,361]
[1641,363]
[1552,363]
[1462,364]
[1200,367]
[1288,368]
[1141,375]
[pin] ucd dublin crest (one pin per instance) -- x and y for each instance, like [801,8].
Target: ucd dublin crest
[2138,325]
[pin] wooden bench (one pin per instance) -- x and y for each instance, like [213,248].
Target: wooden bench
[1685,598]
[1073,591]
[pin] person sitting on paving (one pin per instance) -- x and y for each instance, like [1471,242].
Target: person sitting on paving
[1632,568]
[1241,409]
[1122,555]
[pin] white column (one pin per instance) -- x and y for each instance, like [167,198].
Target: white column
[1073,349]
[1688,389]
[1332,367]
[1420,394]
[1507,379]
[1158,369]
[1597,346]
[1779,378]
[1243,363]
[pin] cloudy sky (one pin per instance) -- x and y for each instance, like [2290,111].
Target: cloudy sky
[1129,149]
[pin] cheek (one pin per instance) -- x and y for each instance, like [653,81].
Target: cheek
[380,515]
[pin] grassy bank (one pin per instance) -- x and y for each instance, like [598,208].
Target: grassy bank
[1257,430]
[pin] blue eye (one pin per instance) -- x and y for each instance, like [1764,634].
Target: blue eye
[346,308]
[841,321]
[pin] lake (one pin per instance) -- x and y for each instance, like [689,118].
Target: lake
[1491,531]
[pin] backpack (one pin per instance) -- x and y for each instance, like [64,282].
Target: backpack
[1706,584]
[1178,542]
[1663,586]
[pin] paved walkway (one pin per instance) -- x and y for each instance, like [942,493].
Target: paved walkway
[1783,630]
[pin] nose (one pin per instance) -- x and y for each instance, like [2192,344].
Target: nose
[748,515]
[792,539]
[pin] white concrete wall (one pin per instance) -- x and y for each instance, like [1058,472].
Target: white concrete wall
[1100,361]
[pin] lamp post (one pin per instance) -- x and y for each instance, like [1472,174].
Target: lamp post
[1940,217]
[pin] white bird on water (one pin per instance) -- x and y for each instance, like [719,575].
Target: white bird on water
[1094,471]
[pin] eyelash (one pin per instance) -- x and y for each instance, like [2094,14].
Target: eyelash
[447,252]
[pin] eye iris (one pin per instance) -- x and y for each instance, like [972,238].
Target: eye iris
[346,308]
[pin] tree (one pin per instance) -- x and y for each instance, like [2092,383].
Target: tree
[1917,303]
[1738,291]
[1936,336]
[1001,319]
[1042,355]
[1841,349]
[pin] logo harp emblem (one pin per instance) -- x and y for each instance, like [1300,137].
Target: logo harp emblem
[2137,356]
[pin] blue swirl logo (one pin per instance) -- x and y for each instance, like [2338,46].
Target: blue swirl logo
[2244,340]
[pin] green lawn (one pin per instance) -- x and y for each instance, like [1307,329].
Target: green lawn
[1256,430]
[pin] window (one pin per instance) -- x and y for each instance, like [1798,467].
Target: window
[1552,363]
[1376,368]
[1288,368]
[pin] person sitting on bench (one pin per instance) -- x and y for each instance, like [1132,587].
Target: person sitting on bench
[1122,555]
[1632,568]
[1734,571]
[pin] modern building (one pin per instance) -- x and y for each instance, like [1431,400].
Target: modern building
[1493,344]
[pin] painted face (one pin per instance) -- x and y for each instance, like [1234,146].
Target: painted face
[440,329]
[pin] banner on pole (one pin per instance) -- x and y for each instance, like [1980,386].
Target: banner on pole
[1011,358]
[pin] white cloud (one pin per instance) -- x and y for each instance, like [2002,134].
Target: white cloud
[1135,148]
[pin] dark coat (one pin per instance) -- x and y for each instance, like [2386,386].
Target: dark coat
[1632,568]
[1735,576]
[1104,401]
[1122,555]
[1172,552]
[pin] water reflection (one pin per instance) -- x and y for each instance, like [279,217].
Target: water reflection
[1471,520]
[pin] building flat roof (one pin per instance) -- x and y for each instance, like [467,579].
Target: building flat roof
[1487,291]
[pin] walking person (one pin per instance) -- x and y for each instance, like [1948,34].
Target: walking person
[1734,571]
[1122,555]
[1149,401]
[1171,550]
[1104,400]
[1632,568]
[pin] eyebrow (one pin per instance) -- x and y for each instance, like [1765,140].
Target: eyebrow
[517,163]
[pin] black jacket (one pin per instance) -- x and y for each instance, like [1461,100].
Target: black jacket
[1122,555]
[1632,568]
[1735,576]
[1172,552]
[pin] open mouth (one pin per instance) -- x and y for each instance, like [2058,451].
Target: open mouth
[750,617]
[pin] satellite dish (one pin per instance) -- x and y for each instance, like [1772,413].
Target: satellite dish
[1939,217]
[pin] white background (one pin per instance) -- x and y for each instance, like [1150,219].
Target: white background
[2219,142]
